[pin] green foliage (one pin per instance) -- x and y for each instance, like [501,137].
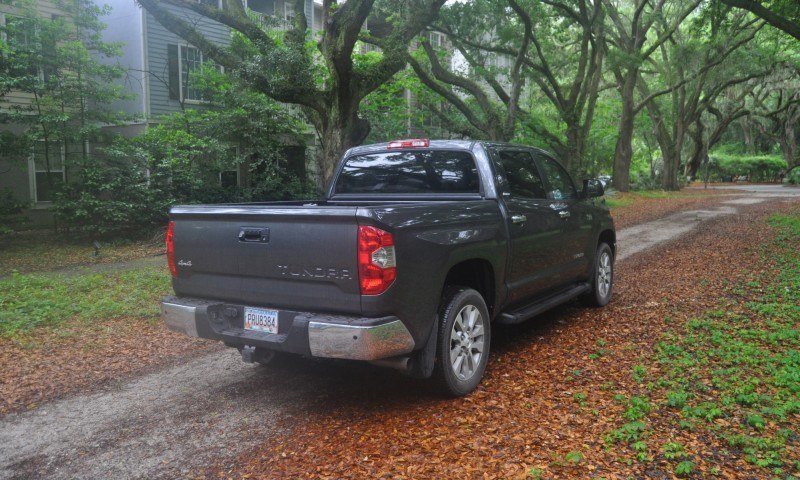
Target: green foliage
[738,361]
[387,110]
[758,168]
[627,433]
[60,64]
[793,178]
[111,200]
[677,399]
[638,408]
[685,468]
[34,300]
[639,373]
[574,457]
[10,212]
[756,421]
[182,160]
[673,450]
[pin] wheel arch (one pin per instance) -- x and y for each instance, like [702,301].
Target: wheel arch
[475,273]
[609,237]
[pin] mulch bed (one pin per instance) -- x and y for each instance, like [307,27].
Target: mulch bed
[59,362]
[523,421]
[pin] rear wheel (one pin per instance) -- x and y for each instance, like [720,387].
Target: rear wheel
[602,280]
[462,350]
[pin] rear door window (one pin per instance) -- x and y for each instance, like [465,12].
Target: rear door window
[517,175]
[410,172]
[560,183]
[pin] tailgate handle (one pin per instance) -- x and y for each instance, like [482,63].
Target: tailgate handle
[252,234]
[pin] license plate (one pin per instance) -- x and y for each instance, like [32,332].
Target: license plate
[260,320]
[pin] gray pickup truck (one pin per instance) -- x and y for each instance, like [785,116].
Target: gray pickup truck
[417,249]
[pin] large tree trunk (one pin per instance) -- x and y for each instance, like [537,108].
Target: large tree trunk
[669,146]
[672,160]
[623,151]
[700,151]
[747,135]
[339,132]
[788,139]
[573,159]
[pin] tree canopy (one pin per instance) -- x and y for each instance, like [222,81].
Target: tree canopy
[318,74]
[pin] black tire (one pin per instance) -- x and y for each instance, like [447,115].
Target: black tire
[463,341]
[602,279]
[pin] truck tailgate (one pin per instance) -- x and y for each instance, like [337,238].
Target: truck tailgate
[303,255]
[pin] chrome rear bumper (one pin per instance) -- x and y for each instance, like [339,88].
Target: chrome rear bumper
[328,336]
[359,342]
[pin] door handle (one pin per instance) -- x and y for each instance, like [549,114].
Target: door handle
[564,214]
[254,235]
[518,218]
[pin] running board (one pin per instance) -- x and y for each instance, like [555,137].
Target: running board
[528,311]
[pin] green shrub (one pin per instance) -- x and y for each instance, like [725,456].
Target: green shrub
[758,168]
[793,178]
[10,212]
[110,201]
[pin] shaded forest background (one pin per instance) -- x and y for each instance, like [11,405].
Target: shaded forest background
[651,93]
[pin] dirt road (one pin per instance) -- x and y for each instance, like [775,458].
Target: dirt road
[168,423]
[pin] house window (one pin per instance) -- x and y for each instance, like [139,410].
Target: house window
[288,10]
[191,64]
[47,171]
[229,178]
[266,7]
[436,39]
[185,62]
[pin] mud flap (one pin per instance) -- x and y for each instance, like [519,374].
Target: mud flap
[422,362]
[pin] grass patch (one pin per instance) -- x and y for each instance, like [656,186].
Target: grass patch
[38,251]
[626,199]
[29,301]
[653,194]
[731,374]
[621,202]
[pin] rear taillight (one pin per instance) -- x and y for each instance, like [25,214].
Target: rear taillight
[173,270]
[376,260]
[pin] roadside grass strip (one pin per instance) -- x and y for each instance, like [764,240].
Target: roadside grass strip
[725,385]
[37,300]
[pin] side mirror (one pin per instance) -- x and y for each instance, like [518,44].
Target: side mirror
[593,188]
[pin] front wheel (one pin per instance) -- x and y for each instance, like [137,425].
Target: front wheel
[462,350]
[602,281]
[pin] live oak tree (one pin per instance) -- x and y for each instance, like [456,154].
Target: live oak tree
[553,48]
[317,74]
[694,69]
[781,14]
[777,112]
[486,95]
[629,48]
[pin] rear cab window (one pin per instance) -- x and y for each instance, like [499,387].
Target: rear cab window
[418,171]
